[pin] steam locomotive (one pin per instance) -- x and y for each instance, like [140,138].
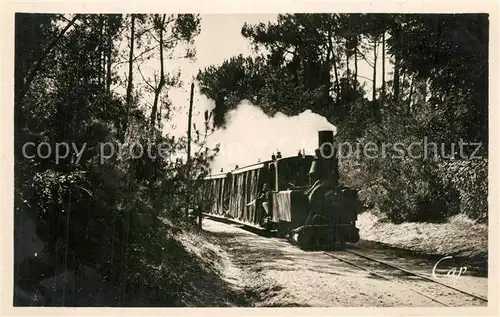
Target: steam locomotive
[298,198]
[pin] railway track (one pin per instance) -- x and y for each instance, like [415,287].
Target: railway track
[440,293]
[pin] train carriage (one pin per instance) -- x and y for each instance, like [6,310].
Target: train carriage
[213,191]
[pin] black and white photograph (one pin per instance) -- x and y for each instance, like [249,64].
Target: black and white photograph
[310,159]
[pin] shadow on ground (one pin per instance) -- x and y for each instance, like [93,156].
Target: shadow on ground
[181,278]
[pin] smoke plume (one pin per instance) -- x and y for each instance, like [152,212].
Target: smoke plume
[250,135]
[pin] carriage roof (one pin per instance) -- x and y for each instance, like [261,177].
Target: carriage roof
[253,167]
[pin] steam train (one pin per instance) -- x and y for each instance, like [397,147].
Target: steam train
[298,198]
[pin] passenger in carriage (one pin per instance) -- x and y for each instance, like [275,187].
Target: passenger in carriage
[262,198]
[263,205]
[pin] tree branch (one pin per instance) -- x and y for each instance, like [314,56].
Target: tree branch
[147,82]
[36,67]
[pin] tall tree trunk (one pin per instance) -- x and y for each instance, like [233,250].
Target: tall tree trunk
[335,70]
[326,81]
[109,44]
[347,62]
[128,98]
[411,96]
[356,61]
[403,81]
[188,161]
[159,88]
[397,61]
[424,91]
[102,53]
[383,67]
[130,62]
[375,102]
[374,87]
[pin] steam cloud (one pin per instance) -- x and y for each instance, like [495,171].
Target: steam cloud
[251,135]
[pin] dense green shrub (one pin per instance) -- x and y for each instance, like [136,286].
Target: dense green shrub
[109,215]
[417,188]
[470,178]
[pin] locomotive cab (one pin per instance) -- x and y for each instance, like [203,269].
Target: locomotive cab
[292,172]
[286,200]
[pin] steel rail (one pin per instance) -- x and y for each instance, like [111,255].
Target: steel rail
[418,274]
[385,277]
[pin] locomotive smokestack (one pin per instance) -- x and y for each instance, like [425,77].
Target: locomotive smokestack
[325,136]
[327,162]
[325,142]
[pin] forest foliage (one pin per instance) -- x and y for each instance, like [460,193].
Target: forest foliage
[115,215]
[437,89]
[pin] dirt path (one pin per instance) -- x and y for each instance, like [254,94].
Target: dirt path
[275,273]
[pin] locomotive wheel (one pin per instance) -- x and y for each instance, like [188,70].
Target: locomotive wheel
[306,243]
[312,239]
[302,238]
[318,238]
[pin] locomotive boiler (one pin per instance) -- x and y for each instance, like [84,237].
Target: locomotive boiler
[297,197]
